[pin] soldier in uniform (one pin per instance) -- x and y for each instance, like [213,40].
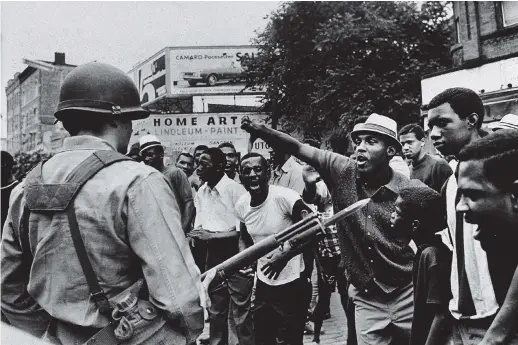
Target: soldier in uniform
[76,247]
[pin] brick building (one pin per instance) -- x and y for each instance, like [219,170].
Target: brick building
[485,56]
[32,98]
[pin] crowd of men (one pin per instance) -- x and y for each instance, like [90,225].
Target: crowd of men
[98,245]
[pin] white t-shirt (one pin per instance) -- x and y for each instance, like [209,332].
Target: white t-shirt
[269,218]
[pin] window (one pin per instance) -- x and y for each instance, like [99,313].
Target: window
[509,13]
[457,30]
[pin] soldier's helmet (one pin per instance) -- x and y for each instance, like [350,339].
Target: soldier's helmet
[100,88]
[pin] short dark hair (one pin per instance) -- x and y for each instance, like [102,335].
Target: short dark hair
[7,161]
[201,148]
[339,140]
[217,156]
[423,204]
[253,155]
[186,154]
[412,128]
[75,121]
[227,144]
[463,101]
[499,153]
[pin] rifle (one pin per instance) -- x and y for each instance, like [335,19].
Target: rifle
[298,234]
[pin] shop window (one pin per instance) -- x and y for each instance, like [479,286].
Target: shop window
[509,13]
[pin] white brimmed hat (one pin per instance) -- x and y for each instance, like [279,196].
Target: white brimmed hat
[378,124]
[148,141]
[509,121]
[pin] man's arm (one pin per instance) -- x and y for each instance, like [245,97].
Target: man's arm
[17,305]
[185,191]
[245,240]
[167,264]
[441,327]
[324,161]
[504,323]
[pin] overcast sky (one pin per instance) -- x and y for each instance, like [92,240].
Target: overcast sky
[119,33]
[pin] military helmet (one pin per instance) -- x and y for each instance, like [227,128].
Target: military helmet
[100,88]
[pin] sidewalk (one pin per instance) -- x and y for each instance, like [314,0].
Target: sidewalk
[335,328]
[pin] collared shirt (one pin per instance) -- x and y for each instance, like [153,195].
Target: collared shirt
[130,223]
[475,261]
[322,203]
[215,207]
[289,176]
[371,252]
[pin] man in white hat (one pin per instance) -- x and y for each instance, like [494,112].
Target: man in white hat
[152,153]
[378,262]
[509,121]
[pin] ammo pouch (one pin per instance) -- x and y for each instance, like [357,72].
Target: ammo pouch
[130,314]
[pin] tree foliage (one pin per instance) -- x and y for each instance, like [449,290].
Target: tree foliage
[24,162]
[326,63]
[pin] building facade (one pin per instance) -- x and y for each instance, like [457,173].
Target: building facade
[32,98]
[485,56]
[198,95]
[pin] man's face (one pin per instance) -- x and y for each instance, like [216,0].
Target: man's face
[206,168]
[484,204]
[371,152]
[411,145]
[449,133]
[197,155]
[153,156]
[232,159]
[185,163]
[277,156]
[254,175]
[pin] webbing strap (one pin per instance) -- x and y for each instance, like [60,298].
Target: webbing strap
[75,181]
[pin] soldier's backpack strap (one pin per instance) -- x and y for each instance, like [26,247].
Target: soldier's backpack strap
[60,198]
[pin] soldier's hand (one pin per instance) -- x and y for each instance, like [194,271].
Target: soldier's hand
[310,175]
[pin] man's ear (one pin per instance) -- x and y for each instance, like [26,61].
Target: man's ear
[514,196]
[473,119]
[415,224]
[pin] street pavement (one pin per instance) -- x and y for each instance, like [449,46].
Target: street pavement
[335,328]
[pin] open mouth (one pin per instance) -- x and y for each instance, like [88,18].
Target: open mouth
[361,161]
[254,185]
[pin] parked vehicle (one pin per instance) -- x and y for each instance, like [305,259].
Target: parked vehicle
[211,76]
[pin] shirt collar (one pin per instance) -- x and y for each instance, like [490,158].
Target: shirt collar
[394,184]
[220,186]
[85,142]
[287,165]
